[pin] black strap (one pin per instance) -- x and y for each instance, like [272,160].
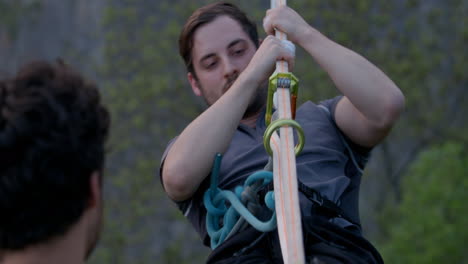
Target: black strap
[323,205]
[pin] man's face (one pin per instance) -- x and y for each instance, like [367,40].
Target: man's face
[221,51]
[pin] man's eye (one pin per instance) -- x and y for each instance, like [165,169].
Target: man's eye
[239,52]
[210,65]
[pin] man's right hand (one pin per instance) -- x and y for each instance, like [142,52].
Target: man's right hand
[263,63]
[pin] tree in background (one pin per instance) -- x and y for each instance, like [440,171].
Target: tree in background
[10,12]
[429,225]
[144,85]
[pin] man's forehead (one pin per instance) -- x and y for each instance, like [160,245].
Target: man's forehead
[216,35]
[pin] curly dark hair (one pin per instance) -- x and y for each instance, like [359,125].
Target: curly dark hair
[53,129]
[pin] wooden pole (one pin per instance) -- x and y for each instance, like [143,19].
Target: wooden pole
[285,174]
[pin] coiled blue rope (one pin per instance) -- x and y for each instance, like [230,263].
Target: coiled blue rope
[229,206]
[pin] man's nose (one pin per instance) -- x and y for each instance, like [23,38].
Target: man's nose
[230,68]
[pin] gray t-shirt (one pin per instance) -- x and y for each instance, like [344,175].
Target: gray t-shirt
[329,163]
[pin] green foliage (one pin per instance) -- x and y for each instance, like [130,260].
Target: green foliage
[429,226]
[11,12]
[144,90]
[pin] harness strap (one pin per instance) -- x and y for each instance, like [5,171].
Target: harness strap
[323,205]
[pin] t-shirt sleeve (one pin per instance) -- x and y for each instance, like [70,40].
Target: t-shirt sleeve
[192,210]
[359,154]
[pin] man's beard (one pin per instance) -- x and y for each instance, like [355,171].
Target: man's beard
[257,102]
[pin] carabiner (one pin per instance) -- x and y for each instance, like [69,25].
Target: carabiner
[281,80]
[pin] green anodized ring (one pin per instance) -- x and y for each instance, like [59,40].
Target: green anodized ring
[276,125]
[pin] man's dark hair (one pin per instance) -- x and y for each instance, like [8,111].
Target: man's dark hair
[53,129]
[205,15]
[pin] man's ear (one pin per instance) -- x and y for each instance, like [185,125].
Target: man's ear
[95,194]
[194,84]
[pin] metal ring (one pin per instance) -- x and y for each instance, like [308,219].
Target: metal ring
[276,125]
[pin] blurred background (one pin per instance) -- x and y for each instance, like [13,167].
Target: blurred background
[414,190]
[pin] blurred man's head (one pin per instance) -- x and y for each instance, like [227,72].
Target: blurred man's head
[53,129]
